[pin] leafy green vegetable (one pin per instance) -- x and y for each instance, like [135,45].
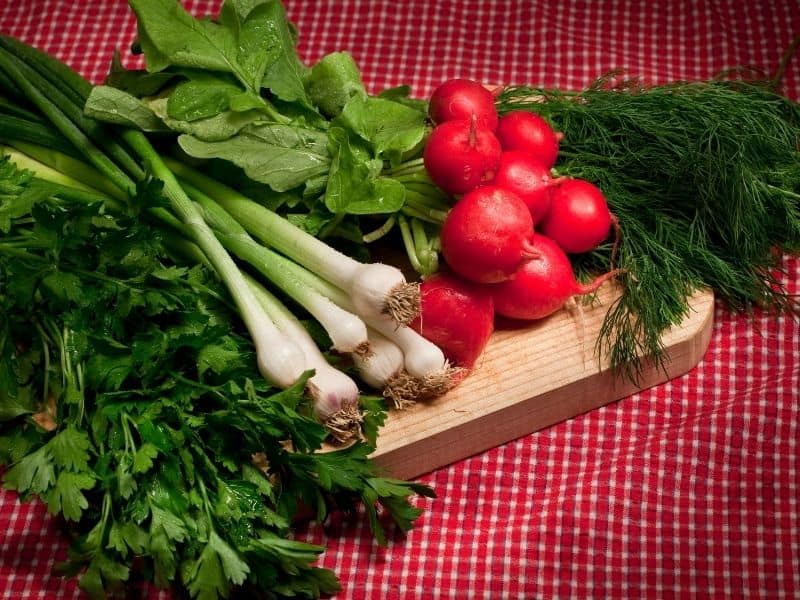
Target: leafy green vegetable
[282,156]
[156,412]
[219,127]
[285,72]
[252,41]
[391,128]
[236,92]
[171,36]
[354,182]
[333,81]
[111,105]
[136,82]
[204,96]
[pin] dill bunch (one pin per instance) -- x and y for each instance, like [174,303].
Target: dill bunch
[704,178]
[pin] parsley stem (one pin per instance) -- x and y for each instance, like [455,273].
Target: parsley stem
[197,384]
[206,503]
[46,355]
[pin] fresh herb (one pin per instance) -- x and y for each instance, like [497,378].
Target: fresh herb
[131,406]
[105,333]
[235,91]
[704,178]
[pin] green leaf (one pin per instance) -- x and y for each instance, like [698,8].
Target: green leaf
[369,497]
[109,371]
[233,566]
[353,185]
[219,358]
[126,483]
[136,82]
[70,449]
[285,73]
[91,582]
[217,569]
[116,540]
[67,496]
[206,95]
[333,81]
[259,42]
[127,536]
[171,36]
[33,473]
[170,273]
[373,409]
[171,524]
[389,487]
[391,128]
[143,459]
[121,108]
[257,49]
[103,576]
[165,529]
[10,409]
[281,156]
[63,286]
[156,434]
[233,13]
[402,95]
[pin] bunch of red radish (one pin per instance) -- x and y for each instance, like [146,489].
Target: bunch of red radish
[507,238]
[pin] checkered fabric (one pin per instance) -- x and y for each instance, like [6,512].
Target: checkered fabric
[685,490]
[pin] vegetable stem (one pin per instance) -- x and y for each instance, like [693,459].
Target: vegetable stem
[377,289]
[78,173]
[347,331]
[59,119]
[279,360]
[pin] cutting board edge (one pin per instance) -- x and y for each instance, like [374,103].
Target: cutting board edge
[478,433]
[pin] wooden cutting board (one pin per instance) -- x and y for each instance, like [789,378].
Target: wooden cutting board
[527,379]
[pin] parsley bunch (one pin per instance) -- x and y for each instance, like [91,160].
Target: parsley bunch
[130,404]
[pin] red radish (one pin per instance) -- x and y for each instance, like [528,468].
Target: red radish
[578,219]
[456,315]
[529,179]
[461,99]
[460,155]
[529,132]
[487,234]
[542,284]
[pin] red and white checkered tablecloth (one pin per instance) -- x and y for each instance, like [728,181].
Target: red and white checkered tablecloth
[686,490]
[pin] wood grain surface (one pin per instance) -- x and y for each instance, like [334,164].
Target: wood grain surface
[529,378]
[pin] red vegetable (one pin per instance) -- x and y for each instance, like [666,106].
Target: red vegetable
[462,99]
[457,316]
[528,132]
[578,219]
[529,179]
[460,155]
[542,284]
[487,234]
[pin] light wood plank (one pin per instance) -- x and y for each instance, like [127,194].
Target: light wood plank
[529,379]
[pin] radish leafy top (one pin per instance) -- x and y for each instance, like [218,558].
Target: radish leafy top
[235,89]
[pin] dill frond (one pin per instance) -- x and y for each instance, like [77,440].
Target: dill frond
[704,178]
